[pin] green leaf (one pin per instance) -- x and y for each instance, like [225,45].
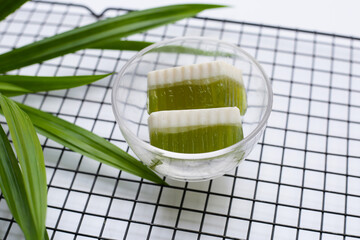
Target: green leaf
[86,36]
[193,51]
[24,186]
[9,6]
[13,188]
[118,44]
[87,143]
[10,89]
[12,85]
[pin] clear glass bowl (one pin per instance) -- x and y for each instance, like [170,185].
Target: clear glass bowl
[129,102]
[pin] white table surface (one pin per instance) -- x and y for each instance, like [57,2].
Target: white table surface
[333,16]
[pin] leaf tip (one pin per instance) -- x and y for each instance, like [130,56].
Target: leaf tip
[210,6]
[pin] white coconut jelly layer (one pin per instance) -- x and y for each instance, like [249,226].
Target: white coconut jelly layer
[209,70]
[194,118]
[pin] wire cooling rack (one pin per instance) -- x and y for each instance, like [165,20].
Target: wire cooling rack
[302,181]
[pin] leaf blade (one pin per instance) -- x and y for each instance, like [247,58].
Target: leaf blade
[12,187]
[87,143]
[83,37]
[13,85]
[9,6]
[119,44]
[32,172]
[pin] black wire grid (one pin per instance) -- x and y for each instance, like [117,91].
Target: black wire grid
[302,181]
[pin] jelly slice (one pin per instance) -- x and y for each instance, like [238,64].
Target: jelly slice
[206,85]
[195,131]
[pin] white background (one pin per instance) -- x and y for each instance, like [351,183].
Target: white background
[334,16]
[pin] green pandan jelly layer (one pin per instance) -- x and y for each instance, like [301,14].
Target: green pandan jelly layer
[198,139]
[205,93]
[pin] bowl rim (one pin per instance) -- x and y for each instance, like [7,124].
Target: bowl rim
[190,156]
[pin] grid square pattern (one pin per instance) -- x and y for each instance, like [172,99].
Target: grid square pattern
[302,181]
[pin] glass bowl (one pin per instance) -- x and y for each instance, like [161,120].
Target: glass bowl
[129,102]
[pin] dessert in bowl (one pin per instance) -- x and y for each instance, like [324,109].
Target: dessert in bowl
[192,108]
